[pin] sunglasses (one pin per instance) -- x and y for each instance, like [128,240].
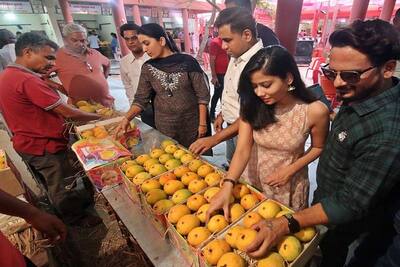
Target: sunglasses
[349,76]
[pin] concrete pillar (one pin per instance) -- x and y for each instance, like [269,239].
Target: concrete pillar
[119,16]
[136,15]
[358,10]
[185,17]
[51,11]
[387,10]
[287,22]
[66,11]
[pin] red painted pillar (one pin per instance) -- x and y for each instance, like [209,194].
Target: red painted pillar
[119,16]
[287,22]
[136,15]
[359,10]
[387,10]
[314,28]
[333,24]
[185,17]
[324,31]
[66,11]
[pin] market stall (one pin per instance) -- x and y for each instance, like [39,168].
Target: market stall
[160,176]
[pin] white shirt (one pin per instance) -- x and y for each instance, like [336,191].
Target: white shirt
[93,41]
[230,97]
[130,68]
[8,53]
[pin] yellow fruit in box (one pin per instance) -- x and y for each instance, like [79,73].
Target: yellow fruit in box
[232,235]
[248,201]
[186,158]
[155,195]
[166,143]
[131,142]
[179,153]
[273,259]
[81,103]
[142,159]
[196,186]
[172,164]
[107,154]
[156,153]
[101,135]
[245,238]
[204,169]
[87,133]
[187,223]
[171,149]
[305,234]
[217,223]
[165,157]
[202,211]
[231,259]
[166,177]
[98,129]
[194,202]
[236,211]
[214,250]
[198,235]
[148,163]
[180,171]
[269,209]
[89,109]
[289,248]
[171,186]
[212,178]
[157,169]
[194,164]
[98,106]
[127,164]
[176,212]
[251,218]
[188,177]
[162,206]
[240,190]
[149,185]
[283,212]
[210,192]
[131,171]
[180,196]
[141,177]
[2,166]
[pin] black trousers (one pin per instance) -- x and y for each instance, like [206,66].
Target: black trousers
[57,173]
[217,94]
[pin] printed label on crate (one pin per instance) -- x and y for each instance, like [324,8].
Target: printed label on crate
[105,176]
[93,152]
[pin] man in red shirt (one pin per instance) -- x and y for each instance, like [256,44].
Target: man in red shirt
[35,114]
[83,71]
[219,63]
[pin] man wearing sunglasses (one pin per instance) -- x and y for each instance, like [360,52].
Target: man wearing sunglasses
[358,175]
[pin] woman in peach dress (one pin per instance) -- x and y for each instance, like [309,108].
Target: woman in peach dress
[277,115]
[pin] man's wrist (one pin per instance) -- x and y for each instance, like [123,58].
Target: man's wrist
[282,225]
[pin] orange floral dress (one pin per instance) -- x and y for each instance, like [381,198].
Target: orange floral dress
[279,145]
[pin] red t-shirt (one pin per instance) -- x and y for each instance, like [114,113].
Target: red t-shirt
[84,80]
[26,103]
[221,57]
[9,255]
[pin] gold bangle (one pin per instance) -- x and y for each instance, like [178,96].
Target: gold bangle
[203,125]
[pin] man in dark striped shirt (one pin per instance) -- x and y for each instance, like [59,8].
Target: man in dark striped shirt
[358,175]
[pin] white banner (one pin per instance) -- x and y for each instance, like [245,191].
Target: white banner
[85,9]
[16,7]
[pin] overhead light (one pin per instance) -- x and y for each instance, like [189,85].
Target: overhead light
[10,16]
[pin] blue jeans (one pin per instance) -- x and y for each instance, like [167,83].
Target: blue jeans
[230,148]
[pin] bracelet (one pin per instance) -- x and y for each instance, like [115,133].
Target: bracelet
[228,180]
[203,125]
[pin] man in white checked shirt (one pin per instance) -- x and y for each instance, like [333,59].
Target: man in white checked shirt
[237,29]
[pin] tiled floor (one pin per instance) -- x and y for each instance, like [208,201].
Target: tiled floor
[121,103]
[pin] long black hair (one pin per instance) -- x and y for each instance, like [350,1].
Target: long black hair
[273,60]
[156,31]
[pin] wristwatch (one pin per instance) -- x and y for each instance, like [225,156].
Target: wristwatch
[293,224]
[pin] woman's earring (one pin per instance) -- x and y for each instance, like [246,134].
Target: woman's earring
[291,88]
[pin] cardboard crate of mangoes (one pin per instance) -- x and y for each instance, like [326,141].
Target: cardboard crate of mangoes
[93,107]
[227,248]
